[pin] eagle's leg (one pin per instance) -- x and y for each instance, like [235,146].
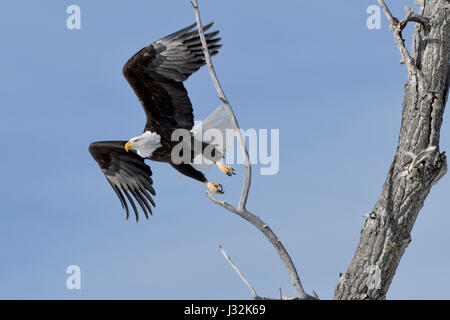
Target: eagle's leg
[229,171]
[191,172]
[212,153]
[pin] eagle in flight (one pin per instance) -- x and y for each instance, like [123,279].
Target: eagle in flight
[156,74]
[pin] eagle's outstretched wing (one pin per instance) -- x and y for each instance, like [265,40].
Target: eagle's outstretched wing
[127,173]
[156,74]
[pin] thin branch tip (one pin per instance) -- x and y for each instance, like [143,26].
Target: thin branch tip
[227,257]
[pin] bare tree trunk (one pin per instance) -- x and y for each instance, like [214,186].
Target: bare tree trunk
[417,164]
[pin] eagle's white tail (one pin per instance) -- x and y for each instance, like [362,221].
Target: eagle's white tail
[206,130]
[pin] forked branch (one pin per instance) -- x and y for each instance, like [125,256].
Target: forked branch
[397,27]
[241,208]
[252,290]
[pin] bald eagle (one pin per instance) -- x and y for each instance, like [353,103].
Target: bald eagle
[156,74]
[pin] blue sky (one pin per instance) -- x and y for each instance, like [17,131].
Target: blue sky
[309,68]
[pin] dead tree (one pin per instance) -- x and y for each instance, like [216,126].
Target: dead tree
[418,163]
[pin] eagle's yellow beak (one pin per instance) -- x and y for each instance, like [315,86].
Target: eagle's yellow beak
[129,145]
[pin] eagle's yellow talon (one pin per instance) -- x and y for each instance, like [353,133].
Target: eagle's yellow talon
[229,171]
[214,187]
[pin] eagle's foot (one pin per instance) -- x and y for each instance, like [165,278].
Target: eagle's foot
[229,171]
[214,187]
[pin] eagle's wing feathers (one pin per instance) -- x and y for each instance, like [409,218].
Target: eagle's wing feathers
[179,55]
[127,173]
[156,74]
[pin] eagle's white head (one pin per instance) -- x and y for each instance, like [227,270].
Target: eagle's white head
[145,144]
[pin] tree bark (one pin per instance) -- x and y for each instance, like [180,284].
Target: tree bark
[387,230]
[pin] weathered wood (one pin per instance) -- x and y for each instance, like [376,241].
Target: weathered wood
[241,208]
[386,233]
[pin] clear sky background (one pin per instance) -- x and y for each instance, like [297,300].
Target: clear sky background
[309,68]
